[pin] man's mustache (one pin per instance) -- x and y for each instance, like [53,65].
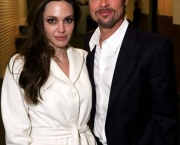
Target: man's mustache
[104,10]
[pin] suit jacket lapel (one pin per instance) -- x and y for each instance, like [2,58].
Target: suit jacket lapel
[90,64]
[90,67]
[124,65]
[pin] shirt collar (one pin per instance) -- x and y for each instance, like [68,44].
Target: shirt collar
[120,32]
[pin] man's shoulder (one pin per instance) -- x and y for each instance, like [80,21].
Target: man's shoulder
[147,36]
[144,34]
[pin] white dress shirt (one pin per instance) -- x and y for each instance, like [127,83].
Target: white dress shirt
[104,65]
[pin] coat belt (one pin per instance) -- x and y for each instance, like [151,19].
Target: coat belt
[50,134]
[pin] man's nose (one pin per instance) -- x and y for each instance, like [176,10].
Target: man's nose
[104,3]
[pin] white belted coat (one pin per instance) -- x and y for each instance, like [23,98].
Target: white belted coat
[61,117]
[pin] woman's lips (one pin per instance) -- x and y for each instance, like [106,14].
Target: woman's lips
[60,38]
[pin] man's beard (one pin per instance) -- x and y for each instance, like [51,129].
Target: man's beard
[108,24]
[111,22]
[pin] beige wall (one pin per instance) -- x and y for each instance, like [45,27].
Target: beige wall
[129,9]
[11,11]
[176,12]
[165,7]
[145,6]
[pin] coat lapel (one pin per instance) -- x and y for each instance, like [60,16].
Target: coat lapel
[124,65]
[76,61]
[57,72]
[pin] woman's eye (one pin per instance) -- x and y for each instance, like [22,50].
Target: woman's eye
[51,21]
[69,20]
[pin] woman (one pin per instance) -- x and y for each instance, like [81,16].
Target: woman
[46,93]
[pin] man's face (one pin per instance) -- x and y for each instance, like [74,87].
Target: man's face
[107,13]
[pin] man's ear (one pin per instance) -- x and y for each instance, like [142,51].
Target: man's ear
[126,2]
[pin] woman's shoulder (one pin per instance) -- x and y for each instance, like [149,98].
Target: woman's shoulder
[80,51]
[16,63]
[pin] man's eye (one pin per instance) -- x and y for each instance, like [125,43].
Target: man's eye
[51,21]
[69,20]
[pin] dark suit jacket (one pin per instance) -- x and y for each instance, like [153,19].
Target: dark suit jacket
[143,103]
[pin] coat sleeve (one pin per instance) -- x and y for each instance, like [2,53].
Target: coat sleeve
[164,95]
[14,109]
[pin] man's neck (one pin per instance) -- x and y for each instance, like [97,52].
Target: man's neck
[107,32]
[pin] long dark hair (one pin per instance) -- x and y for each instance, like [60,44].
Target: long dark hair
[36,52]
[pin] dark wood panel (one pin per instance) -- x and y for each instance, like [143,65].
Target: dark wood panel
[176,41]
[165,25]
[145,21]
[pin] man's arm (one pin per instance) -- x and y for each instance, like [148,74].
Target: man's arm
[164,95]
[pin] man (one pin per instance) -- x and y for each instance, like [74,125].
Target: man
[133,80]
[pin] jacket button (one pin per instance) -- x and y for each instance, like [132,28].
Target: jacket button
[73,121]
[73,94]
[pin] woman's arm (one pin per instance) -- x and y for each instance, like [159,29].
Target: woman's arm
[14,108]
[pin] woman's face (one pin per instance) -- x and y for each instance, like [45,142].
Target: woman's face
[58,23]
